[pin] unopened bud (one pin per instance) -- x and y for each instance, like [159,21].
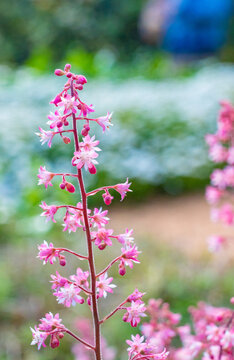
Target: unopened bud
[59,72]
[59,124]
[54,341]
[71,188]
[60,335]
[67,67]
[122,270]
[69,75]
[66,140]
[66,123]
[101,246]
[107,198]
[81,79]
[62,260]
[62,186]
[92,169]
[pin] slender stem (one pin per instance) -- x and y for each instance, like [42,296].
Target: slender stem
[69,206]
[108,266]
[73,253]
[93,192]
[113,312]
[97,333]
[58,174]
[80,340]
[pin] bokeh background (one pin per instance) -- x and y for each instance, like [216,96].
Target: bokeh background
[162,66]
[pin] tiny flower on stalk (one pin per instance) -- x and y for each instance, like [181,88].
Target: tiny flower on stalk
[68,104]
[126,238]
[45,136]
[69,295]
[81,278]
[45,177]
[105,121]
[49,211]
[134,313]
[99,218]
[123,189]
[58,281]
[129,256]
[39,337]
[102,237]
[104,286]
[47,252]
[85,158]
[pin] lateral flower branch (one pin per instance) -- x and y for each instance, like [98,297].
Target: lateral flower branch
[90,286]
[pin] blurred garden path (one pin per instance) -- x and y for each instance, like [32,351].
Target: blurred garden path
[183,222]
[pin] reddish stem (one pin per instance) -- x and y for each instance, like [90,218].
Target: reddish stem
[93,192]
[69,206]
[80,340]
[97,333]
[73,253]
[108,266]
[58,174]
[113,312]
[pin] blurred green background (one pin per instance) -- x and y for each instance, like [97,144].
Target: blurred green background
[164,91]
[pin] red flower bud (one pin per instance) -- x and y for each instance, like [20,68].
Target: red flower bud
[59,72]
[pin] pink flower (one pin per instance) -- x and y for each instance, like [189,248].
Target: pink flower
[99,217]
[38,337]
[85,109]
[213,194]
[218,178]
[50,322]
[129,255]
[68,103]
[126,238]
[47,252]
[230,158]
[104,286]
[58,281]
[102,237]
[226,214]
[123,189]
[89,143]
[45,177]
[218,153]
[104,121]
[85,158]
[45,136]
[71,223]
[136,295]
[215,243]
[81,278]
[56,120]
[211,139]
[137,344]
[229,175]
[69,295]
[134,313]
[49,211]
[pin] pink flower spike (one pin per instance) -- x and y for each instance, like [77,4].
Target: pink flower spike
[134,313]
[123,189]
[47,252]
[104,286]
[38,337]
[45,177]
[105,121]
[69,295]
[45,136]
[49,211]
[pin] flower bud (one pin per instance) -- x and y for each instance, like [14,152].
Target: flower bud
[71,188]
[66,123]
[80,79]
[89,300]
[92,169]
[62,260]
[79,87]
[59,124]
[66,140]
[60,335]
[62,186]
[67,67]
[101,246]
[59,72]
[56,100]
[107,198]
[84,132]
[122,270]
[69,75]
[54,341]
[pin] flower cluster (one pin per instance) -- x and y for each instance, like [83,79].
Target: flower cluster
[219,192]
[212,339]
[85,286]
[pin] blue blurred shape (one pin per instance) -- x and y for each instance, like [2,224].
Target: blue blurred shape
[197,26]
